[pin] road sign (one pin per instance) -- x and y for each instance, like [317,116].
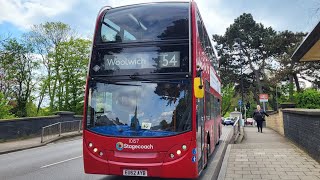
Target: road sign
[263,97]
[239,102]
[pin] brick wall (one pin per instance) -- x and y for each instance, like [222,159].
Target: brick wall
[302,126]
[275,122]
[31,126]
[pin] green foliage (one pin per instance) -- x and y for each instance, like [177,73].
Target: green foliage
[249,47]
[246,44]
[227,114]
[309,98]
[32,110]
[4,108]
[64,61]
[17,66]
[65,58]
[73,60]
[46,39]
[228,94]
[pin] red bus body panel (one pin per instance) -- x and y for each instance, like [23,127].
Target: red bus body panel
[156,161]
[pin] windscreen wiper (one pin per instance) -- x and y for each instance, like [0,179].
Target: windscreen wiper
[136,76]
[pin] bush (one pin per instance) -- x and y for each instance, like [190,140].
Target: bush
[4,108]
[309,98]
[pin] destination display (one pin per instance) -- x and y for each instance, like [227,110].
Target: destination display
[141,60]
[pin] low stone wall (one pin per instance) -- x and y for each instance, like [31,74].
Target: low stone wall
[31,126]
[302,126]
[275,122]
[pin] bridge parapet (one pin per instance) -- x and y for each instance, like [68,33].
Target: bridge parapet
[302,126]
[31,126]
[275,121]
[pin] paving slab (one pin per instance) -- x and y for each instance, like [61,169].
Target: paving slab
[267,155]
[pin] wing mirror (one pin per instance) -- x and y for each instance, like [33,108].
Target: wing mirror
[198,84]
[198,88]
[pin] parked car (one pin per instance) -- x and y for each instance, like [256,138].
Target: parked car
[249,121]
[228,121]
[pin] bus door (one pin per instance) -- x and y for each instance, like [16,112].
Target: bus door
[215,123]
[200,132]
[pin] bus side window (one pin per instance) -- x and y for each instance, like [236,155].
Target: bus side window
[213,107]
[208,105]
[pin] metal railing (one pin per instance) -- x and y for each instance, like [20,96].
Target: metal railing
[55,130]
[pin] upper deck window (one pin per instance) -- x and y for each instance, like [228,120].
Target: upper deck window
[146,22]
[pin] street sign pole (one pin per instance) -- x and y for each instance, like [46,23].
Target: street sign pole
[240,104]
[264,98]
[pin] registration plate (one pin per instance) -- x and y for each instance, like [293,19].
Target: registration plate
[129,172]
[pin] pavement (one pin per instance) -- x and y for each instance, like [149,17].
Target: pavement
[18,145]
[267,155]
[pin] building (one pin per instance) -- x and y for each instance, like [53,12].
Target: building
[309,49]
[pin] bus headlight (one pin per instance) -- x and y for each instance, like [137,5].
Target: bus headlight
[95,150]
[172,155]
[179,152]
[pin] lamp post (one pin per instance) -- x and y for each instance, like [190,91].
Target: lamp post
[277,102]
[238,40]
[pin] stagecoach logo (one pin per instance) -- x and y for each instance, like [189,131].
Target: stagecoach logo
[120,146]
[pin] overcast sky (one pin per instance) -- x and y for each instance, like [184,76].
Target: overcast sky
[16,16]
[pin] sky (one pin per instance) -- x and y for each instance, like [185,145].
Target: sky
[17,16]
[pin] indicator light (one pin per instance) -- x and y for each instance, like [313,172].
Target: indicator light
[90,145]
[95,150]
[172,155]
[101,153]
[178,152]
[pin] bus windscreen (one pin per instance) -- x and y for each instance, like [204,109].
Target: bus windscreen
[139,108]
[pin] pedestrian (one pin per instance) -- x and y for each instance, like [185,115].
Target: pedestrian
[258,116]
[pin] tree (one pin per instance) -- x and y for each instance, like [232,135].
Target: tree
[18,67]
[46,39]
[253,54]
[227,95]
[73,58]
[4,81]
[289,70]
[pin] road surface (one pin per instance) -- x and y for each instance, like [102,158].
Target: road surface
[56,161]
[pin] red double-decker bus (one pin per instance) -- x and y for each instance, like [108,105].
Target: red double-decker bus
[152,104]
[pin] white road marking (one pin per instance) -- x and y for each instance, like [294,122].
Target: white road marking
[60,162]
